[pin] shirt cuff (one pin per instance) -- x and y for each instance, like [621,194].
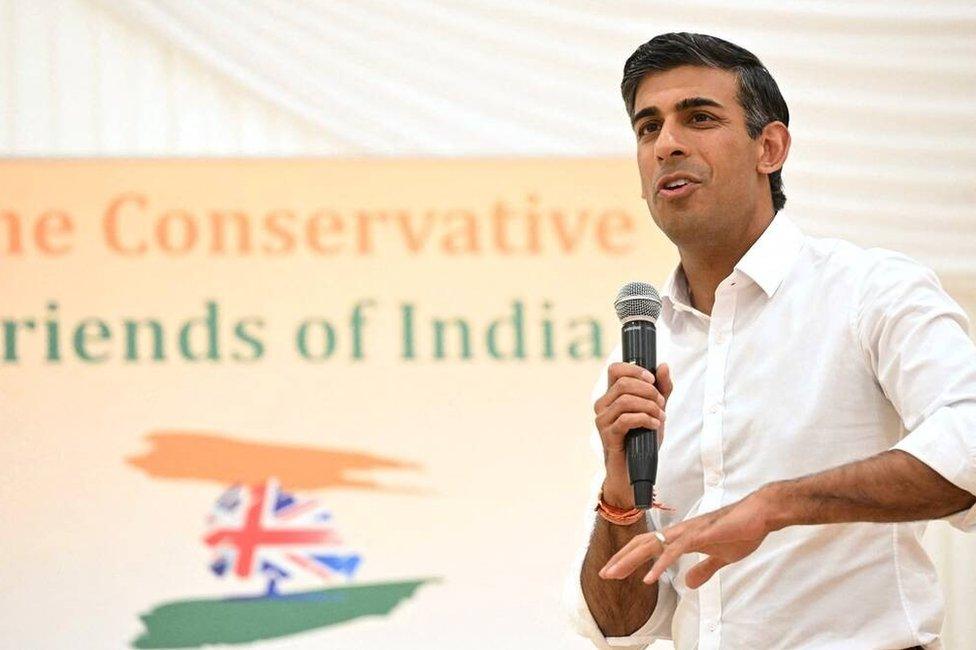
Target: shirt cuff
[940,442]
[658,626]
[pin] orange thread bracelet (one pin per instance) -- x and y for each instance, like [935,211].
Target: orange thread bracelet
[615,515]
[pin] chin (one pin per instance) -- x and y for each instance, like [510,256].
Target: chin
[682,227]
[677,228]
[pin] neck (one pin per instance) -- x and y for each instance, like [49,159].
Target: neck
[705,266]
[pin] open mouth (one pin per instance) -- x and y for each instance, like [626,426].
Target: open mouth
[676,189]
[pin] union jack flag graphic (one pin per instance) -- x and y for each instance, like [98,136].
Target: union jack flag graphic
[261,529]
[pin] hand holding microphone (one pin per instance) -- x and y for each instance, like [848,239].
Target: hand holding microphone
[631,413]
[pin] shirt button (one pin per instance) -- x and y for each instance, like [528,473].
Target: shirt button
[711,479]
[712,626]
[715,408]
[720,339]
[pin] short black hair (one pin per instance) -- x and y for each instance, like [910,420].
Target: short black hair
[758,93]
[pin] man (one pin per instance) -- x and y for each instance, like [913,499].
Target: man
[818,403]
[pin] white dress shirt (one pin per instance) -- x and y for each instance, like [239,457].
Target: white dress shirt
[816,353]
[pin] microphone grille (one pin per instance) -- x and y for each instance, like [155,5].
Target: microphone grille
[638,299]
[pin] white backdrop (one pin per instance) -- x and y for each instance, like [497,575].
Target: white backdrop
[881,97]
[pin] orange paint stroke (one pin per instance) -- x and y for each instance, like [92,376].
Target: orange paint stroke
[208,457]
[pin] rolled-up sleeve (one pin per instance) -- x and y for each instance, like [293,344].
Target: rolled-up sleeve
[658,625]
[915,337]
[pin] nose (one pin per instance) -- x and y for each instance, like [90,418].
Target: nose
[667,143]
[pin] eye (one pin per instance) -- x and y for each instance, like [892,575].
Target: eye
[645,128]
[705,115]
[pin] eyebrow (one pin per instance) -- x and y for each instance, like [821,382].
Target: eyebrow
[683,105]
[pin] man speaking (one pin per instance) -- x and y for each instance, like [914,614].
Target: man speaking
[816,403]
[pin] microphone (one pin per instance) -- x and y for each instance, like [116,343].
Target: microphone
[638,305]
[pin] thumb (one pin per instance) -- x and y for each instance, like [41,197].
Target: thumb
[663,380]
[701,572]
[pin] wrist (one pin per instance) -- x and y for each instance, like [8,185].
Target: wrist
[618,494]
[779,505]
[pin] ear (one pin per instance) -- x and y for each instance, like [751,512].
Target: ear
[775,143]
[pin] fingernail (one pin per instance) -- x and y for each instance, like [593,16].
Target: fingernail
[648,376]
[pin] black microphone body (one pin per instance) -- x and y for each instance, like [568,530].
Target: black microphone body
[640,347]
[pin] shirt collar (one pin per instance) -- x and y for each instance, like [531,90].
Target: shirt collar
[765,263]
[677,295]
[772,256]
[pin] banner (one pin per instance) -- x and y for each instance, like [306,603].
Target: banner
[322,403]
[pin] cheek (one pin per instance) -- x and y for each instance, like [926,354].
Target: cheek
[742,154]
[731,166]
[646,169]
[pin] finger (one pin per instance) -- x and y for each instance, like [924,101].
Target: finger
[628,386]
[634,386]
[615,372]
[608,570]
[701,572]
[633,404]
[611,425]
[639,550]
[620,369]
[664,379]
[669,556]
[614,432]
[627,421]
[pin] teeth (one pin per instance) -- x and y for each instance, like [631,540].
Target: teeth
[675,184]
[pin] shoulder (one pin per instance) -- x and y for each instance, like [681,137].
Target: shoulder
[846,254]
[889,288]
[866,271]
[871,284]
[888,275]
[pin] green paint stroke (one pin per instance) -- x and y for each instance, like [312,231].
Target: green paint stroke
[194,623]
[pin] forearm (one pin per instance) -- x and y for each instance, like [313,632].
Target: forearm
[891,486]
[619,607]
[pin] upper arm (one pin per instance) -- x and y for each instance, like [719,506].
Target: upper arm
[915,338]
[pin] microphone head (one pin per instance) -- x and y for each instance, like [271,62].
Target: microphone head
[637,301]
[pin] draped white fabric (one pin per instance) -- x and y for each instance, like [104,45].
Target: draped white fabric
[881,96]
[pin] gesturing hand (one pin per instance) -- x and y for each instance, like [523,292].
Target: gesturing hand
[726,535]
